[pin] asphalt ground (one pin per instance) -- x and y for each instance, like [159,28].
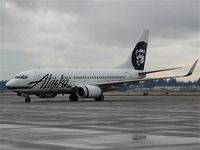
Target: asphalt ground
[119,122]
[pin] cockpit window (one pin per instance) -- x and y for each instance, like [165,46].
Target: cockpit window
[21,76]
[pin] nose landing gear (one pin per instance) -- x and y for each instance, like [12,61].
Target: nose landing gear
[27,97]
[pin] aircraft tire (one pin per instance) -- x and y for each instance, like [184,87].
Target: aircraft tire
[27,99]
[73,98]
[100,98]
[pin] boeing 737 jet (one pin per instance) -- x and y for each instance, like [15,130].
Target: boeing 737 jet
[86,83]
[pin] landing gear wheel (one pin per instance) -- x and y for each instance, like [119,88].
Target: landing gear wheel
[27,99]
[73,97]
[100,98]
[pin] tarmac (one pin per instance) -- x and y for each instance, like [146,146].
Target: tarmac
[118,123]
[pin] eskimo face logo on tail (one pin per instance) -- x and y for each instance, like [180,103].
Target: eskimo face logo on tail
[138,55]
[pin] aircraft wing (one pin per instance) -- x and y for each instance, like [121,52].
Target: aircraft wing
[112,85]
[154,71]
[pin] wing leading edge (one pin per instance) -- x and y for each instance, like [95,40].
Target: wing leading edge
[154,71]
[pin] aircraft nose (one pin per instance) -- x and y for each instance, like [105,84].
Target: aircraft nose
[10,84]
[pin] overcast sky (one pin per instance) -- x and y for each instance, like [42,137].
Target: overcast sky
[94,33]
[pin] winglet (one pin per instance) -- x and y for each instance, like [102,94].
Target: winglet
[191,69]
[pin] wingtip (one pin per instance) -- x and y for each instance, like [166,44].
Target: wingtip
[192,69]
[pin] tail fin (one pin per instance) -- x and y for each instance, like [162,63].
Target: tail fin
[138,56]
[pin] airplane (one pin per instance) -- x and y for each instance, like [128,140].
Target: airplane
[87,82]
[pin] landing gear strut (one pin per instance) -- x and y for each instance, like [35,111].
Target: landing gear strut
[73,97]
[27,99]
[100,98]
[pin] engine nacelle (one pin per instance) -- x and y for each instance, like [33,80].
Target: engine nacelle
[46,95]
[88,91]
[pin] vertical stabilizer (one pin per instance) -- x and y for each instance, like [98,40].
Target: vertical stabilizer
[138,56]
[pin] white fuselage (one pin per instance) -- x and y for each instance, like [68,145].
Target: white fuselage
[62,80]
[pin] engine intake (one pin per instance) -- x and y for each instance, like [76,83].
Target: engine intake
[88,91]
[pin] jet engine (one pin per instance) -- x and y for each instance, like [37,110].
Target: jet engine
[46,95]
[88,91]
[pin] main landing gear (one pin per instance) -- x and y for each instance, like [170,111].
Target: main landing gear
[27,99]
[100,98]
[73,97]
